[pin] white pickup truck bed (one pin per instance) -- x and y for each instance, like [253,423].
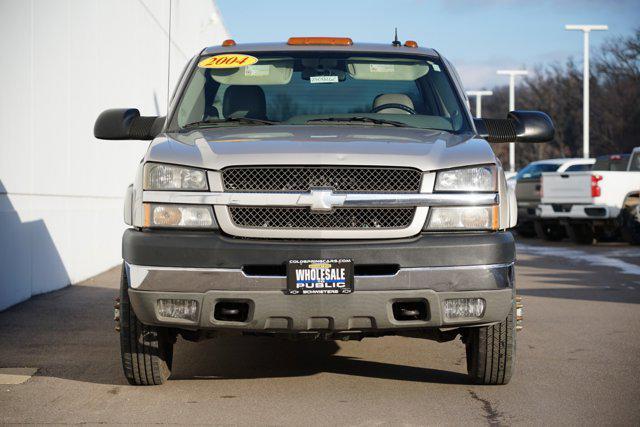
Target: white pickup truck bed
[602,204]
[569,195]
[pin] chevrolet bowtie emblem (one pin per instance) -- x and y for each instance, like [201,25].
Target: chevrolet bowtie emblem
[321,200]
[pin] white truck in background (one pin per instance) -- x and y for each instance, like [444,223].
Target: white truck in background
[602,203]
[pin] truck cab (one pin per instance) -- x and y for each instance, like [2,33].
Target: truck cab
[319,189]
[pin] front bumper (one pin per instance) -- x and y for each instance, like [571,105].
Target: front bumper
[360,311]
[210,268]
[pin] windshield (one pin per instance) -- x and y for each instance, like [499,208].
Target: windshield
[303,88]
[534,170]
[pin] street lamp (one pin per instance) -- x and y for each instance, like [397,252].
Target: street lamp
[586,29]
[479,94]
[512,106]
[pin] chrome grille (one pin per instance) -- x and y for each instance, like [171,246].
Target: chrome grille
[340,179]
[340,218]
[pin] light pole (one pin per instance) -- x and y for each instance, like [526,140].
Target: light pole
[586,29]
[512,106]
[479,94]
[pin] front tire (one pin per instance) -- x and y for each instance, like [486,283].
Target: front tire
[491,352]
[146,351]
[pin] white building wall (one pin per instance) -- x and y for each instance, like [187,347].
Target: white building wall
[62,63]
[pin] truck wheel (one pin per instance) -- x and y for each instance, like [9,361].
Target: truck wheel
[146,351]
[580,233]
[526,230]
[491,351]
[550,232]
[631,224]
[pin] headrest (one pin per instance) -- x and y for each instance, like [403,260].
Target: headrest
[244,101]
[393,98]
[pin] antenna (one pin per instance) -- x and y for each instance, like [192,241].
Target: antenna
[395,41]
[169,58]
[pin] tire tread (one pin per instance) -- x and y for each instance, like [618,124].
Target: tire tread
[491,352]
[146,351]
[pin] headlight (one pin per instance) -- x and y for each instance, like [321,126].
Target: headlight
[463,218]
[158,176]
[477,178]
[182,216]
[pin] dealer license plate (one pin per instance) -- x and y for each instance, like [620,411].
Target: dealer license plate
[325,276]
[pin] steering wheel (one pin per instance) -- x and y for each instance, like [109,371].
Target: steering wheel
[392,105]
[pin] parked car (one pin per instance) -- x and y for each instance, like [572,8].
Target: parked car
[599,204]
[319,189]
[527,185]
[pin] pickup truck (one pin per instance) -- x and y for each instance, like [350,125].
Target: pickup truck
[528,191]
[600,204]
[319,189]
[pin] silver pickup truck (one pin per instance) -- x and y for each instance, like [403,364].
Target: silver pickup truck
[319,189]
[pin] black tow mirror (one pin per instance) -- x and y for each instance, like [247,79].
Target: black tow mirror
[519,126]
[126,123]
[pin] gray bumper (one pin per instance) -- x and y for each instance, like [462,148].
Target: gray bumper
[201,280]
[368,308]
[209,268]
[360,311]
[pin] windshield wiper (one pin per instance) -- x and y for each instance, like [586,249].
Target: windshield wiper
[243,120]
[360,119]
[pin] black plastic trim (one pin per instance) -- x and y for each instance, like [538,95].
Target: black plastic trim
[213,250]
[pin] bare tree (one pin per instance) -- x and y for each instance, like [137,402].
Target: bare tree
[557,90]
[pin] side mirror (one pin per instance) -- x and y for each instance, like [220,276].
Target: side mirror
[126,123]
[519,126]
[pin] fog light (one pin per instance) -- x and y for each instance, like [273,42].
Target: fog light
[178,308]
[464,307]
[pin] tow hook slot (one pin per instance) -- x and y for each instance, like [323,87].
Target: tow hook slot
[519,313]
[231,311]
[405,311]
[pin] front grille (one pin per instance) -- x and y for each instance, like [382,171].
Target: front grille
[340,218]
[340,179]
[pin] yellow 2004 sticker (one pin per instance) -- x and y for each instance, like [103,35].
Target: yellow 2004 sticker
[228,60]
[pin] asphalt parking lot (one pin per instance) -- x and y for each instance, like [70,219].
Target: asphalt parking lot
[578,361]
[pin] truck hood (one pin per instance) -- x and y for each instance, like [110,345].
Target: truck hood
[354,145]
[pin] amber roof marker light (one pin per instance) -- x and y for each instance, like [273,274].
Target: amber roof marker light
[229,42]
[411,43]
[308,41]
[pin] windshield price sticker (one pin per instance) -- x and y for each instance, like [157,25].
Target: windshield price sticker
[228,60]
[323,79]
[382,68]
[256,70]
[305,277]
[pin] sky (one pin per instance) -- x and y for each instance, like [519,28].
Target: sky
[479,37]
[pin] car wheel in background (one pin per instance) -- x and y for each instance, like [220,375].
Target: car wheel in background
[491,351]
[580,233]
[526,230]
[631,224]
[146,351]
[606,233]
[548,231]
